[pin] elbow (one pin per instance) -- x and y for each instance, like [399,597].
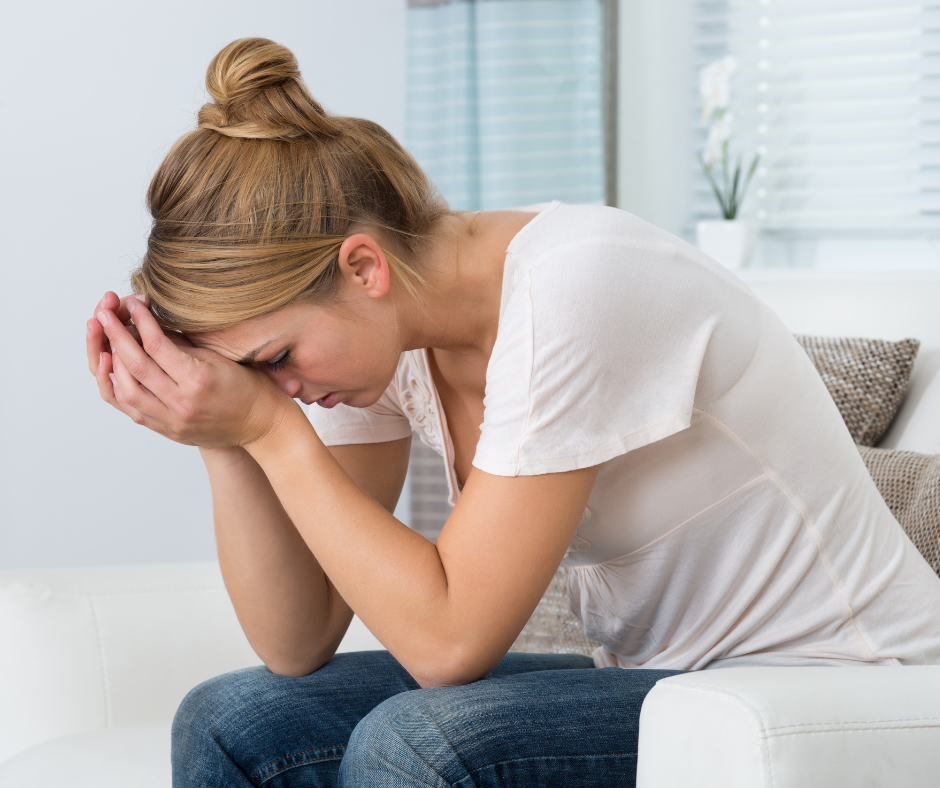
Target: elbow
[293,668]
[295,665]
[451,668]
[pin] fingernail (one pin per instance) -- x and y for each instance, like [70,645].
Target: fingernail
[112,349]
[100,358]
[113,379]
[131,305]
[102,318]
[140,297]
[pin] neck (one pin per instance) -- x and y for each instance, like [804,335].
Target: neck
[457,311]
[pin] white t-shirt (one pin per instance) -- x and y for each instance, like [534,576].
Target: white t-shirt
[733,521]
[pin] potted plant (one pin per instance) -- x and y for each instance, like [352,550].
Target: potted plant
[729,240]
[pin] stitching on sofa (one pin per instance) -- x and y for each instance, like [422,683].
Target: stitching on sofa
[104,672]
[858,730]
[854,722]
[711,689]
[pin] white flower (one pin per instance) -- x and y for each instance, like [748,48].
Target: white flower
[714,84]
[718,135]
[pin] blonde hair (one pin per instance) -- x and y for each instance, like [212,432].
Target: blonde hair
[250,209]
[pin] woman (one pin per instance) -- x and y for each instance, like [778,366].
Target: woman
[606,398]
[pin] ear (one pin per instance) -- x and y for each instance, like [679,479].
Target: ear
[363,265]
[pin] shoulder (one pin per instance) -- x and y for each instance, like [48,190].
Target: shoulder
[586,240]
[563,230]
[605,326]
[592,268]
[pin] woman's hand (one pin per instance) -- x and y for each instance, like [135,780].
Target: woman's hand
[188,394]
[96,343]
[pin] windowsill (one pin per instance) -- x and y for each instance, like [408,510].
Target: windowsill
[752,274]
[854,254]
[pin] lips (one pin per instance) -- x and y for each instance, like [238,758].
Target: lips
[322,401]
[329,400]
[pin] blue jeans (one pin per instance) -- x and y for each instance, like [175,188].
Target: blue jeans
[361,720]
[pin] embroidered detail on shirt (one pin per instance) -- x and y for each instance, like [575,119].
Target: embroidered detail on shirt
[417,403]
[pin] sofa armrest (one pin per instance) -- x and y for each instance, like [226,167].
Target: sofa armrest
[86,649]
[809,727]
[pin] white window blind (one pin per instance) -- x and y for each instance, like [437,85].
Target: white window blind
[842,100]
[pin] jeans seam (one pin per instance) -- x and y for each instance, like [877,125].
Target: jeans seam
[256,775]
[551,758]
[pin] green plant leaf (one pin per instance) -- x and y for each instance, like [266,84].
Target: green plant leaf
[750,174]
[714,185]
[733,199]
[724,168]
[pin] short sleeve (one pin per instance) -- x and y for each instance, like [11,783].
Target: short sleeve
[599,351]
[342,424]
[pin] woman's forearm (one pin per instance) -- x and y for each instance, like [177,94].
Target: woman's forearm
[291,616]
[390,575]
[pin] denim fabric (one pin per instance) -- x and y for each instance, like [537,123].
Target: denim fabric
[361,720]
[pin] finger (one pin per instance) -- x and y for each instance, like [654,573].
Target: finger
[157,345]
[103,372]
[178,339]
[135,400]
[96,342]
[111,301]
[123,312]
[140,365]
[109,385]
[94,345]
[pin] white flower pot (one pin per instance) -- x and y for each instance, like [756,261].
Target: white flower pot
[731,243]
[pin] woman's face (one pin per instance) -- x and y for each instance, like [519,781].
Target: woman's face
[316,353]
[345,352]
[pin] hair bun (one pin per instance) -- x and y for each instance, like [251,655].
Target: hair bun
[259,94]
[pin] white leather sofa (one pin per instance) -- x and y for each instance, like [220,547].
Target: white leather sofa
[93,662]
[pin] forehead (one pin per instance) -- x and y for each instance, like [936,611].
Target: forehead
[238,341]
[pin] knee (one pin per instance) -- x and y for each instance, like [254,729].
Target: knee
[210,715]
[401,736]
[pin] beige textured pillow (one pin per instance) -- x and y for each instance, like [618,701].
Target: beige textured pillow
[553,628]
[910,484]
[867,378]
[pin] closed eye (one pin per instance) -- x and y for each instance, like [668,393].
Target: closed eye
[277,364]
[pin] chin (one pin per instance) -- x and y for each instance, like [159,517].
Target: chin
[364,399]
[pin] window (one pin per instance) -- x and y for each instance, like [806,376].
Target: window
[842,100]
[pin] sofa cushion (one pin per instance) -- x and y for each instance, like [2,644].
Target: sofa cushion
[100,647]
[917,426]
[867,378]
[553,628]
[910,484]
[806,727]
[127,756]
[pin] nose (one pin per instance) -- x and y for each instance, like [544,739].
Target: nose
[290,386]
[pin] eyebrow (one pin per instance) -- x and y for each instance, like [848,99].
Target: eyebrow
[254,353]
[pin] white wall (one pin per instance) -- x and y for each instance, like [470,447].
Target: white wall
[654,110]
[93,94]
